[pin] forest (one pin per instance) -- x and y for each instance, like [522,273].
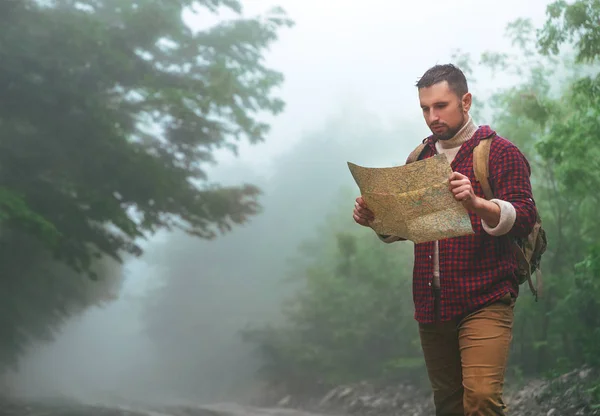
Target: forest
[113,112]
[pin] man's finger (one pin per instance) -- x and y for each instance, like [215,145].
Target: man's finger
[458,182]
[463,196]
[459,189]
[362,208]
[367,215]
[456,175]
[361,202]
[360,220]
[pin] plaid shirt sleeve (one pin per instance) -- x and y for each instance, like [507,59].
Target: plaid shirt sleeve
[509,178]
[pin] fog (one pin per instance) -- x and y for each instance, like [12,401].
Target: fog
[350,69]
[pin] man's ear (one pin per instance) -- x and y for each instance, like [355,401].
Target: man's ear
[467,100]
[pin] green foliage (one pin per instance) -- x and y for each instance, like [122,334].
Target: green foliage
[578,310]
[40,293]
[576,24]
[352,321]
[111,112]
[14,211]
[112,109]
[571,145]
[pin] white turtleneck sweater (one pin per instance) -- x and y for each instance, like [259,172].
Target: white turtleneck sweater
[507,211]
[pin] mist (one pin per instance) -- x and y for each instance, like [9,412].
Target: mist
[173,332]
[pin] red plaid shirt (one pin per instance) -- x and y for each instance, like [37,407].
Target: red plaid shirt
[479,268]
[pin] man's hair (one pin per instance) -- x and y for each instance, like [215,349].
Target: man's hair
[448,72]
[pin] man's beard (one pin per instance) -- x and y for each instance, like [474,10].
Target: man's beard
[451,131]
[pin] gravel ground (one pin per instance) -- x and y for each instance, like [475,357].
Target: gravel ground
[572,394]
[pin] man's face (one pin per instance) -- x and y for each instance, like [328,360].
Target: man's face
[444,112]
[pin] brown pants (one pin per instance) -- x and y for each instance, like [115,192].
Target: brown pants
[466,360]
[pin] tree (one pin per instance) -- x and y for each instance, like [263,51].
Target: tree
[112,109]
[38,293]
[111,112]
[576,24]
[573,147]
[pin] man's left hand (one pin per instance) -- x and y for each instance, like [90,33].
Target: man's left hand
[461,187]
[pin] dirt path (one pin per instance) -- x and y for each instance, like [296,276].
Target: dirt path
[9,407]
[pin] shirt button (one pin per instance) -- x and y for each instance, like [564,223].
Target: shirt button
[429,257]
[429,283]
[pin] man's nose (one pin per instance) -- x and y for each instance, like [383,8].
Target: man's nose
[433,116]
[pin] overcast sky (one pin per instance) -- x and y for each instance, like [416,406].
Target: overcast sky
[372,51]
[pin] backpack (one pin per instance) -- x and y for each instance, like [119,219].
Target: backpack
[528,251]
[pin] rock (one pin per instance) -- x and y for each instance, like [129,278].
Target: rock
[583,374]
[285,401]
[328,397]
[568,394]
[345,393]
[378,402]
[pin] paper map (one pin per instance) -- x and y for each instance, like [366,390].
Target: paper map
[413,201]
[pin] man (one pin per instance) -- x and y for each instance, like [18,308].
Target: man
[464,288]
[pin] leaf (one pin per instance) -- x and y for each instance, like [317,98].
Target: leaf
[106,139]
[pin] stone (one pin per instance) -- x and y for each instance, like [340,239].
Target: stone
[285,401]
[345,393]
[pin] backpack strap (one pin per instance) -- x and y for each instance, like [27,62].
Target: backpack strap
[481,158]
[417,153]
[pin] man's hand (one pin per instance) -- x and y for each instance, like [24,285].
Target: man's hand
[461,187]
[362,215]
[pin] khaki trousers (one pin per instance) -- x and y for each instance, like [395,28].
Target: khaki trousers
[466,360]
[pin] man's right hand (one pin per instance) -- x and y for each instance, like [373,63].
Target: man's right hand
[362,215]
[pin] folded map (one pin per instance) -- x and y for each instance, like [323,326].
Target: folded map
[413,201]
